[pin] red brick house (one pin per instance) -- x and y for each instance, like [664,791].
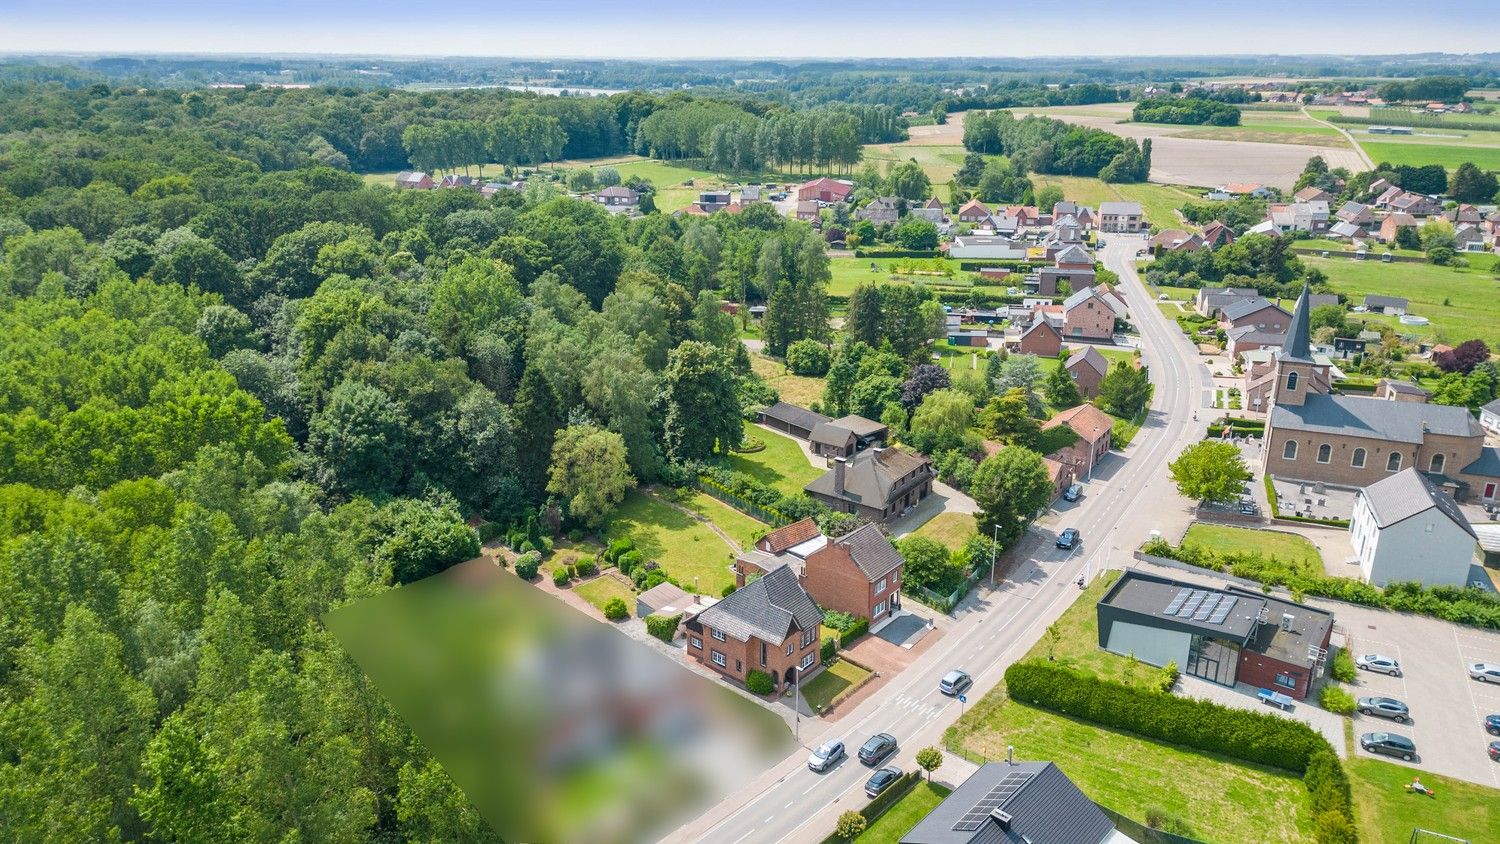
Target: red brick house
[824,190]
[1392,222]
[1088,368]
[770,624]
[859,573]
[1089,315]
[1041,338]
[1255,312]
[973,211]
[1216,234]
[1094,428]
[414,180]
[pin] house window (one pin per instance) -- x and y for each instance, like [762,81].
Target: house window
[1325,453]
[790,646]
[1286,681]
[808,637]
[1358,460]
[1438,461]
[1289,452]
[807,661]
[739,667]
[1489,490]
[1393,463]
[879,609]
[1291,380]
[718,635]
[879,586]
[696,642]
[718,658]
[762,653]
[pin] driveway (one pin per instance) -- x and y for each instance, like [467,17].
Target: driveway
[1243,696]
[942,499]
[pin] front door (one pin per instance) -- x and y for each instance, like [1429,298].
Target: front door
[1489,492]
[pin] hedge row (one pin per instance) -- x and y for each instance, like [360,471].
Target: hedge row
[1021,267]
[860,627]
[1257,737]
[1473,607]
[663,627]
[875,808]
[897,253]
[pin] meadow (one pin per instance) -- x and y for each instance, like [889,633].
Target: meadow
[1461,303]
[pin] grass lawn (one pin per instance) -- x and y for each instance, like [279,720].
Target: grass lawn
[1175,294]
[901,816]
[1125,430]
[781,464]
[951,529]
[1078,641]
[1449,153]
[1224,539]
[1159,202]
[1473,296]
[820,691]
[1219,799]
[742,528]
[599,590]
[1387,814]
[849,273]
[688,549]
[938,161]
[800,390]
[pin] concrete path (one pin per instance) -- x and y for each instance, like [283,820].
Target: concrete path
[1243,696]
[1359,150]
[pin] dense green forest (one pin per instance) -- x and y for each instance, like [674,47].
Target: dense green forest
[239,388]
[1044,145]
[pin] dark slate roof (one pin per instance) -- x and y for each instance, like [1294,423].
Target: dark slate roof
[1488,464]
[871,477]
[1492,407]
[1385,301]
[861,426]
[1047,809]
[768,608]
[1251,334]
[1090,356]
[1298,345]
[1397,386]
[794,415]
[1408,493]
[1038,324]
[872,551]
[1149,596]
[831,433]
[1244,307]
[1357,416]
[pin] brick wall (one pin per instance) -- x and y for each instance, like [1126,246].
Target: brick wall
[1458,452]
[740,658]
[1092,318]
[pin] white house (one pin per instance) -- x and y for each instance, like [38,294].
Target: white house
[1404,528]
[980,246]
[1489,416]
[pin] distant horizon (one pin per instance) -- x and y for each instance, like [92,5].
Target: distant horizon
[1062,57]
[772,30]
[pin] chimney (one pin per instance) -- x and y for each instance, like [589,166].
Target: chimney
[1010,754]
[838,475]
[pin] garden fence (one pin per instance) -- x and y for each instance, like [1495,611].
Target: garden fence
[756,511]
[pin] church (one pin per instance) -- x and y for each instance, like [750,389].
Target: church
[1350,441]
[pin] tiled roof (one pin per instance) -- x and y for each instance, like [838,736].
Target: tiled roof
[1246,306]
[871,477]
[861,426]
[1358,416]
[1120,208]
[783,538]
[1406,494]
[794,415]
[1087,421]
[1088,355]
[768,608]
[830,433]
[872,551]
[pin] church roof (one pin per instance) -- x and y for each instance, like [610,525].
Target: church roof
[1359,416]
[1299,336]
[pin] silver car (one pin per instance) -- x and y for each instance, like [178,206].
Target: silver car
[1379,664]
[1385,707]
[826,755]
[1485,672]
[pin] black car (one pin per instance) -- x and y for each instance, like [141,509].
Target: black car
[881,780]
[1492,724]
[1494,750]
[874,751]
[1068,538]
[1385,707]
[1389,744]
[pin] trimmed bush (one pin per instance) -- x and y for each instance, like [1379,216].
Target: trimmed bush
[727,591]
[560,576]
[837,620]
[828,649]
[1252,736]
[616,548]
[850,825]
[663,627]
[527,565]
[586,567]
[629,561]
[1336,700]
[615,610]
[759,682]
[1168,677]
[860,627]
[1344,670]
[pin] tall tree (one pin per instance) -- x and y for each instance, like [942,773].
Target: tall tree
[1210,471]
[539,415]
[702,400]
[589,472]
[1011,487]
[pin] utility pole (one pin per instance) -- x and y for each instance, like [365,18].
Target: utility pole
[994,545]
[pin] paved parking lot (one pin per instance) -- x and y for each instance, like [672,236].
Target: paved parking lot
[1447,707]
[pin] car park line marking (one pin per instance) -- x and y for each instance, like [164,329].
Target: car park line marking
[1463,665]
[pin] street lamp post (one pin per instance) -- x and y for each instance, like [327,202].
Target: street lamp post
[994,544]
[797,703]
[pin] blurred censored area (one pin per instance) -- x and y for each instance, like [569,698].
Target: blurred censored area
[558,727]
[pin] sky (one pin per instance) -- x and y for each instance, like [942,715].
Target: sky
[763,28]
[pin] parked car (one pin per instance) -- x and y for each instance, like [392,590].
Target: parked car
[955,682]
[1495,750]
[881,780]
[826,755]
[1485,672]
[1492,724]
[1379,664]
[1068,538]
[1072,492]
[1385,707]
[1389,744]
[874,751]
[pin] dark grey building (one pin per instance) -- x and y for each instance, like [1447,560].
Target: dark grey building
[1015,803]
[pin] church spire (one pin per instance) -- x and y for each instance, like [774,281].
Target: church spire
[1298,345]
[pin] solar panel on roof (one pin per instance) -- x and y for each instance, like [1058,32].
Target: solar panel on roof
[997,796]
[1176,604]
[1223,611]
[1207,608]
[1192,604]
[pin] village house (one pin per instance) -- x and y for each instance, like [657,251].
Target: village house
[1394,305]
[1082,213]
[1175,240]
[1414,204]
[877,484]
[618,197]
[1353,441]
[1216,234]
[770,624]
[1050,279]
[1089,315]
[859,573]
[807,210]
[1391,389]
[1310,217]
[824,190]
[973,211]
[1392,222]
[883,210]
[1121,217]
[983,247]
[1248,338]
[1210,300]
[1313,194]
[846,436]
[1357,213]
[1087,368]
[1255,312]
[414,180]
[1073,256]
[1405,529]
[1095,430]
[1041,338]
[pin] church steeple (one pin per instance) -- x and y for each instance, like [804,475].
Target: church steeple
[1298,344]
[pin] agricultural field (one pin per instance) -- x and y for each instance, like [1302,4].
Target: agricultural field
[1472,296]
[1421,151]
[1159,202]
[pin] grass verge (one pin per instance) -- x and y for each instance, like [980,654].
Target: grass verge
[837,680]
[1223,539]
[904,814]
[1387,814]
[951,529]
[601,589]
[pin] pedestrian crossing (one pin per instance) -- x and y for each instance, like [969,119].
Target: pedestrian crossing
[916,708]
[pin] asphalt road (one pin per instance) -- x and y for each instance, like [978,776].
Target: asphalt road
[1126,500]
